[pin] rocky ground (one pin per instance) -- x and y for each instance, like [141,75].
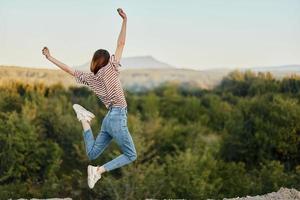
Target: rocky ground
[281,194]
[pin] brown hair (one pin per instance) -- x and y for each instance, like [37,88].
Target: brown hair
[100,59]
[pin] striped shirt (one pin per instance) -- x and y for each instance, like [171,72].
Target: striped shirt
[105,83]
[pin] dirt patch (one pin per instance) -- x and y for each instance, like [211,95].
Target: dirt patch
[281,194]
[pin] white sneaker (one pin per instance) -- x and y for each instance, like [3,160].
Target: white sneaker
[93,175]
[82,113]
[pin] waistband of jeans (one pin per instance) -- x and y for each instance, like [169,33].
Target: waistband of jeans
[117,108]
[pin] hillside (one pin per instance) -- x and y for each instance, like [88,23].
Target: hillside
[137,78]
[148,78]
[133,79]
[33,75]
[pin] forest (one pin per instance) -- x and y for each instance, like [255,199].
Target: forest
[240,138]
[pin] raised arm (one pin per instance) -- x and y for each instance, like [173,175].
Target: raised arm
[122,36]
[61,65]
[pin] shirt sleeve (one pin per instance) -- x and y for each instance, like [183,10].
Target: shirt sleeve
[81,77]
[114,63]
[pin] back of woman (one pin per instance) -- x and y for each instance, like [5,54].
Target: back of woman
[104,81]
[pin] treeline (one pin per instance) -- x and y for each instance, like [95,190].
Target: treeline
[241,138]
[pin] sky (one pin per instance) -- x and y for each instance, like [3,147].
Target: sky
[197,34]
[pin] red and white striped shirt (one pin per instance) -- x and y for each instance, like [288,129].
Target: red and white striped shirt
[105,83]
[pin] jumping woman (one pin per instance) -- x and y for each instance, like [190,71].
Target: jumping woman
[104,81]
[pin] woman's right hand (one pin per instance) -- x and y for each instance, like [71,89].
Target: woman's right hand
[46,52]
[122,13]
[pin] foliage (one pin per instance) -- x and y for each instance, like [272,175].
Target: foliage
[241,138]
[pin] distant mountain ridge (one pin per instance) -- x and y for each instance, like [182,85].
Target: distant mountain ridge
[295,68]
[136,62]
[142,73]
[277,71]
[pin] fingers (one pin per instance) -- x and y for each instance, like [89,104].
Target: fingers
[45,51]
[120,11]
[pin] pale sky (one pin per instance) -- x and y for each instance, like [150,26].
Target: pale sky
[197,34]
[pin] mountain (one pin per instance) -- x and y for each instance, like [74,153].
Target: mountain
[141,73]
[137,62]
[145,72]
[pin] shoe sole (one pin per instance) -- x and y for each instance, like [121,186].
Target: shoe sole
[79,108]
[89,171]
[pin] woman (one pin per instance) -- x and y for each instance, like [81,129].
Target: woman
[104,81]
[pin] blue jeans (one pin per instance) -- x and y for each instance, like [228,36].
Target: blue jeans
[114,126]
